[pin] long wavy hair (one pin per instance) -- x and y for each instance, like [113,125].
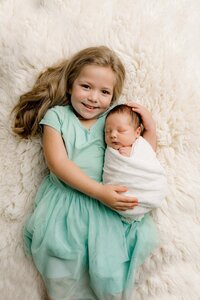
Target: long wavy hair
[53,85]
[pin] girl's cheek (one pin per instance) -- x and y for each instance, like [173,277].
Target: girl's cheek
[79,94]
[107,103]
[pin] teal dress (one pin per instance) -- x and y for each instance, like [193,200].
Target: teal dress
[83,249]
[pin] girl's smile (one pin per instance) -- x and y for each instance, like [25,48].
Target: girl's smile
[89,107]
[92,91]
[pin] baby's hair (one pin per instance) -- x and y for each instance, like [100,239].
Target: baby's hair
[53,86]
[123,108]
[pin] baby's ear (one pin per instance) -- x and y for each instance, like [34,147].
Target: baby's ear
[138,131]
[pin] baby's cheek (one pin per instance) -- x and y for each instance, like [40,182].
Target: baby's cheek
[107,142]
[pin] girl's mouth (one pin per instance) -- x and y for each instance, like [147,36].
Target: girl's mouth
[90,107]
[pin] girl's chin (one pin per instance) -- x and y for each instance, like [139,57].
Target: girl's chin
[90,114]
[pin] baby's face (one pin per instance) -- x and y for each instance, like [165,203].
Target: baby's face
[120,131]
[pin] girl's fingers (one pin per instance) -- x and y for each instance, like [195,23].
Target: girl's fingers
[128,200]
[120,189]
[134,105]
[123,206]
[121,209]
[137,108]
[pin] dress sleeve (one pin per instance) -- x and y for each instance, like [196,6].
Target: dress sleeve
[53,118]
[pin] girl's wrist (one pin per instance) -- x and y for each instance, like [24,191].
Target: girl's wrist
[151,128]
[98,191]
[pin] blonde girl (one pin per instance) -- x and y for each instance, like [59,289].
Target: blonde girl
[77,241]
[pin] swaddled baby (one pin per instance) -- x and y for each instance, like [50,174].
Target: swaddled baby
[131,161]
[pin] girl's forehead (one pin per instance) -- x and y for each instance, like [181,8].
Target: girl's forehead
[98,74]
[96,69]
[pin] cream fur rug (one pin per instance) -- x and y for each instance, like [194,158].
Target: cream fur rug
[159,43]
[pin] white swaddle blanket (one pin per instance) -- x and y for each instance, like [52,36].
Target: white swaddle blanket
[141,173]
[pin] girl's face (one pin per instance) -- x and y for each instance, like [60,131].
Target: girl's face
[92,91]
[120,131]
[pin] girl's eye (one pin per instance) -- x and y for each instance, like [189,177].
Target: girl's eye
[106,92]
[85,86]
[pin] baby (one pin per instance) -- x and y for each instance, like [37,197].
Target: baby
[131,161]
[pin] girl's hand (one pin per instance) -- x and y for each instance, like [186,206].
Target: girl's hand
[149,132]
[146,116]
[111,196]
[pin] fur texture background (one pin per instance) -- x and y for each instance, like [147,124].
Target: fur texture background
[159,43]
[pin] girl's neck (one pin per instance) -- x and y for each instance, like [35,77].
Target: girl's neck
[87,123]
[77,114]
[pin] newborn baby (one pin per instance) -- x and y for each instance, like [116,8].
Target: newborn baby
[131,161]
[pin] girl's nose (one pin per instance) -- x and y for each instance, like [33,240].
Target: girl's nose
[93,96]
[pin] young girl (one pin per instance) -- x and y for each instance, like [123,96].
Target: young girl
[77,241]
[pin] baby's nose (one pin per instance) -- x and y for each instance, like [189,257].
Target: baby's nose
[113,134]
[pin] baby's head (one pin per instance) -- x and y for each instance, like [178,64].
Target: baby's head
[122,127]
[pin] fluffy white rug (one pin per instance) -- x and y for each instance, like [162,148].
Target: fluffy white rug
[159,43]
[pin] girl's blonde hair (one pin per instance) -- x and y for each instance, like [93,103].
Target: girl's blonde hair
[53,85]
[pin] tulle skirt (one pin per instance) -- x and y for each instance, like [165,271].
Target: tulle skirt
[83,249]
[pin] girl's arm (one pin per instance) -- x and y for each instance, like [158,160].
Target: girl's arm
[58,162]
[149,132]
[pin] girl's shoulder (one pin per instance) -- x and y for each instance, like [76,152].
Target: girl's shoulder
[56,115]
[59,110]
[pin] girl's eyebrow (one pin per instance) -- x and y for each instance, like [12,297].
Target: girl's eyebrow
[107,89]
[85,81]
